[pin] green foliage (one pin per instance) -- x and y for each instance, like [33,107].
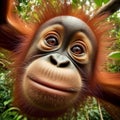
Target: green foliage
[91,110]
[5,91]
[7,111]
[100,2]
[113,64]
[114,61]
[115,55]
[113,67]
[28,9]
[12,114]
[25,8]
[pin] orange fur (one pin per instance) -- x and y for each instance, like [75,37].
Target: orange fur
[106,82]
[47,10]
[98,24]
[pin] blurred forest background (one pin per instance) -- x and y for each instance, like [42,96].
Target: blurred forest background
[92,109]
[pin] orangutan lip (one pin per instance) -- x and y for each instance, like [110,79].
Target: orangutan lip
[69,90]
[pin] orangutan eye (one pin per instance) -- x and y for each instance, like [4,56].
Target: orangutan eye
[78,49]
[51,41]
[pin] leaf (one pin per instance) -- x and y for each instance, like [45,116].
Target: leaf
[114,55]
[75,1]
[98,2]
[7,102]
[105,1]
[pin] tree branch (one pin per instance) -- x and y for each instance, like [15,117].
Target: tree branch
[110,8]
